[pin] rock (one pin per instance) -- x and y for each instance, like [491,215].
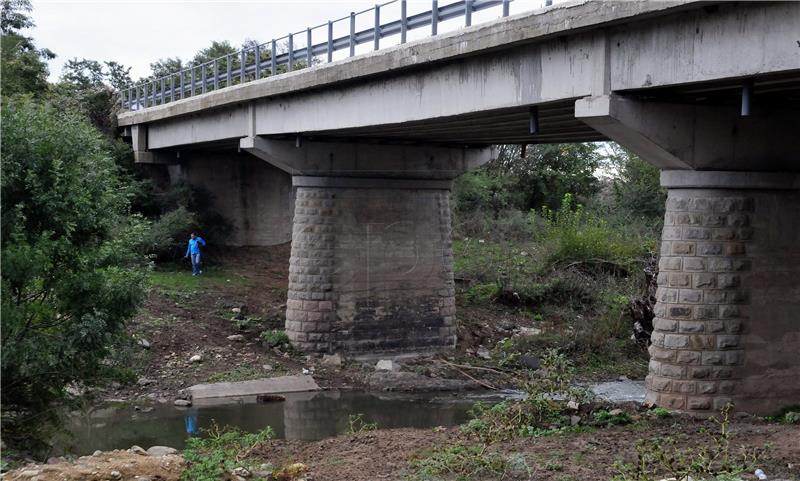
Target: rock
[241,472]
[531,362]
[506,325]
[97,453]
[623,378]
[387,365]
[183,403]
[159,451]
[574,420]
[138,450]
[236,338]
[148,409]
[403,381]
[53,460]
[616,412]
[196,358]
[236,310]
[334,360]
[483,352]
[115,474]
[29,473]
[573,405]
[144,343]
[266,367]
[529,331]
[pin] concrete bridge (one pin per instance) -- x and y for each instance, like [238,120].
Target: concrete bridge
[353,161]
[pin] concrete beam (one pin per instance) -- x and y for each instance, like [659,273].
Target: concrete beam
[692,136]
[340,159]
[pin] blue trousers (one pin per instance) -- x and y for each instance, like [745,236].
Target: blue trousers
[195,263]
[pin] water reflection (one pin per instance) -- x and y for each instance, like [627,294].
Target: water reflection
[303,416]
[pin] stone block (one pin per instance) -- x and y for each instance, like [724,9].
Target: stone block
[688,357]
[709,249]
[683,248]
[694,264]
[665,325]
[680,312]
[680,280]
[676,341]
[692,326]
[706,387]
[696,233]
[699,403]
[725,341]
[690,296]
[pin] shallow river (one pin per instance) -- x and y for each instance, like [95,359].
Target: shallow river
[304,416]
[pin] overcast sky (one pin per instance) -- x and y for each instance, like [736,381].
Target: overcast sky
[136,33]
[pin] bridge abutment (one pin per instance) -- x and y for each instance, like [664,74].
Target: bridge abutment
[726,326]
[371,265]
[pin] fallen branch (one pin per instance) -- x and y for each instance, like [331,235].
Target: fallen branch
[466,366]
[482,383]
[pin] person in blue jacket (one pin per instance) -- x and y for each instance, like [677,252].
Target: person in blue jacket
[193,250]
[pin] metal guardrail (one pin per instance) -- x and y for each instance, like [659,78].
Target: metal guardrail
[252,64]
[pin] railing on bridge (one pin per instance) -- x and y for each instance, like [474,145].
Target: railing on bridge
[253,62]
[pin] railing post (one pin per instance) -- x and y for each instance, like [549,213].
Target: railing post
[468,13]
[352,33]
[244,62]
[290,67]
[309,53]
[172,88]
[506,4]
[377,29]
[144,95]
[274,59]
[192,80]
[203,78]
[403,21]
[183,89]
[130,98]
[228,70]
[434,17]
[216,74]
[330,41]
[257,50]
[163,88]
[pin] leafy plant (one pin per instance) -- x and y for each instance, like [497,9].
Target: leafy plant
[465,462]
[275,338]
[356,424]
[616,419]
[221,451]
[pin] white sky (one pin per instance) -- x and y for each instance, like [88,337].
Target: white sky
[136,33]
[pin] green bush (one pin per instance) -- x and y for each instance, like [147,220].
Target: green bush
[167,236]
[212,457]
[275,338]
[71,273]
[465,462]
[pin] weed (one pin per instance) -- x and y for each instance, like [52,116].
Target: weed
[465,462]
[553,466]
[247,323]
[274,338]
[660,456]
[791,417]
[660,412]
[356,424]
[220,452]
[609,419]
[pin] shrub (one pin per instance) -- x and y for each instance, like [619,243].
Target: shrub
[220,452]
[356,424]
[167,236]
[275,338]
[71,273]
[465,462]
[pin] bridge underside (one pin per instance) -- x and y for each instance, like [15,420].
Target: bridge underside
[364,167]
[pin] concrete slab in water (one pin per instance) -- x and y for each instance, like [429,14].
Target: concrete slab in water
[275,385]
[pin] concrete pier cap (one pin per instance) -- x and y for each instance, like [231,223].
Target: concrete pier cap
[727,328]
[371,268]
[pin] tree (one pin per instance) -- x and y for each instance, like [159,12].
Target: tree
[71,275]
[636,185]
[24,67]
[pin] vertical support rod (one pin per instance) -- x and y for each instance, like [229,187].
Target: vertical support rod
[203,78]
[747,96]
[163,89]
[216,75]
[309,53]
[291,52]
[330,41]
[257,50]
[130,98]
[403,20]
[434,17]
[144,96]
[241,69]
[274,58]
[506,5]
[229,70]
[171,88]
[468,13]
[533,121]
[191,79]
[377,29]
[352,33]
[183,90]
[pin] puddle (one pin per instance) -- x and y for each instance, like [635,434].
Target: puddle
[304,416]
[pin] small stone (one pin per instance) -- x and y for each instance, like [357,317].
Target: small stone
[115,475]
[573,405]
[138,450]
[574,420]
[334,360]
[623,378]
[236,310]
[616,412]
[483,352]
[236,338]
[529,331]
[531,362]
[241,472]
[266,367]
[97,453]
[196,358]
[159,451]
[144,343]
[182,403]
[29,473]
[53,460]
[387,365]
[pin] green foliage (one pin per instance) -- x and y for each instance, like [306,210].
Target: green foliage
[221,451]
[176,280]
[660,457]
[275,338]
[465,462]
[356,424]
[660,412]
[24,67]
[609,419]
[167,236]
[71,273]
[637,188]
[791,417]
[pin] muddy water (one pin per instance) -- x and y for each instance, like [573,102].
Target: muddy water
[303,416]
